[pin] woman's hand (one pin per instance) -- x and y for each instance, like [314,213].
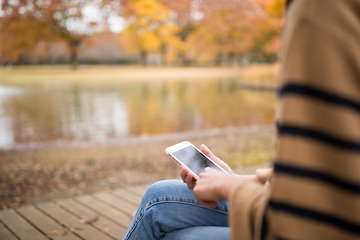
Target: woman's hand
[214,185]
[189,179]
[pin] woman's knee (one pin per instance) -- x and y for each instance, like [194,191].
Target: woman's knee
[162,188]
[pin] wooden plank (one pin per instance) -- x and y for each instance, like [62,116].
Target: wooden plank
[19,226]
[5,233]
[116,202]
[85,231]
[105,210]
[47,225]
[139,190]
[103,224]
[128,196]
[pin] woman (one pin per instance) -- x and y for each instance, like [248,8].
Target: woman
[315,187]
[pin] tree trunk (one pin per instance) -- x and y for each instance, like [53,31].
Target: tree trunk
[143,57]
[74,59]
[163,54]
[219,59]
[74,49]
[184,61]
[230,59]
[187,29]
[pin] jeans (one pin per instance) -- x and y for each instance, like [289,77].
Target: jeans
[169,210]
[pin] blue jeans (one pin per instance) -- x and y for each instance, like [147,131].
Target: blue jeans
[169,210]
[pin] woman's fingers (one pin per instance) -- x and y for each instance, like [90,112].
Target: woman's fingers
[205,150]
[183,174]
[190,181]
[214,185]
[188,178]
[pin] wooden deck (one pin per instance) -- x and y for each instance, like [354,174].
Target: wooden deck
[60,219]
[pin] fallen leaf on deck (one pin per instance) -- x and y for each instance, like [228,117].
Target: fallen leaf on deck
[106,230]
[90,219]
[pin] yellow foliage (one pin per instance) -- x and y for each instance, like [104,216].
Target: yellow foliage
[276,8]
[268,30]
[151,9]
[148,28]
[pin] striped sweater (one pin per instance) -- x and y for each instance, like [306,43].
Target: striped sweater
[315,187]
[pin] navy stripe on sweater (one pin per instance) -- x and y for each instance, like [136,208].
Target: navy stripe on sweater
[317,176]
[288,2]
[324,218]
[264,225]
[319,95]
[319,136]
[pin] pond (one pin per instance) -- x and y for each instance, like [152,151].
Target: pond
[63,112]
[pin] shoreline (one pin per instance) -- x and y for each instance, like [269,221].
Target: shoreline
[135,140]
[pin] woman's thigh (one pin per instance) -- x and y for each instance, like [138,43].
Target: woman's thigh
[169,206]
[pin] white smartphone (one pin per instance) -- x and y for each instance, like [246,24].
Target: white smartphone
[188,156]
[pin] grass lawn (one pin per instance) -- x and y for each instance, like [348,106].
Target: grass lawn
[265,74]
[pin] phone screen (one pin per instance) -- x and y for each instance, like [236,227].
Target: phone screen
[194,159]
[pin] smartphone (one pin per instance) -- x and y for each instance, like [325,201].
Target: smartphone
[188,156]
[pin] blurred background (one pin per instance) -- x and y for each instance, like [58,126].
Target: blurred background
[92,92]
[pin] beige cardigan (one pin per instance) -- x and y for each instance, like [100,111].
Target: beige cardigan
[315,188]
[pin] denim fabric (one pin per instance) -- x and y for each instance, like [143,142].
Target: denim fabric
[169,210]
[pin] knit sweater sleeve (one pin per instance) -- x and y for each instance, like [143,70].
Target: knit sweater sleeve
[314,192]
[247,204]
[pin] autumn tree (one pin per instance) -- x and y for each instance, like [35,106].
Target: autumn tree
[184,12]
[20,32]
[268,29]
[180,30]
[150,28]
[24,23]
[226,30]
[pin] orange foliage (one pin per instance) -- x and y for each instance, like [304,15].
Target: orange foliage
[226,28]
[181,31]
[270,27]
[27,22]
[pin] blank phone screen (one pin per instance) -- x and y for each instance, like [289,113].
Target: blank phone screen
[194,159]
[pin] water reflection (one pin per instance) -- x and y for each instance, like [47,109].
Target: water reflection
[96,113]
[6,133]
